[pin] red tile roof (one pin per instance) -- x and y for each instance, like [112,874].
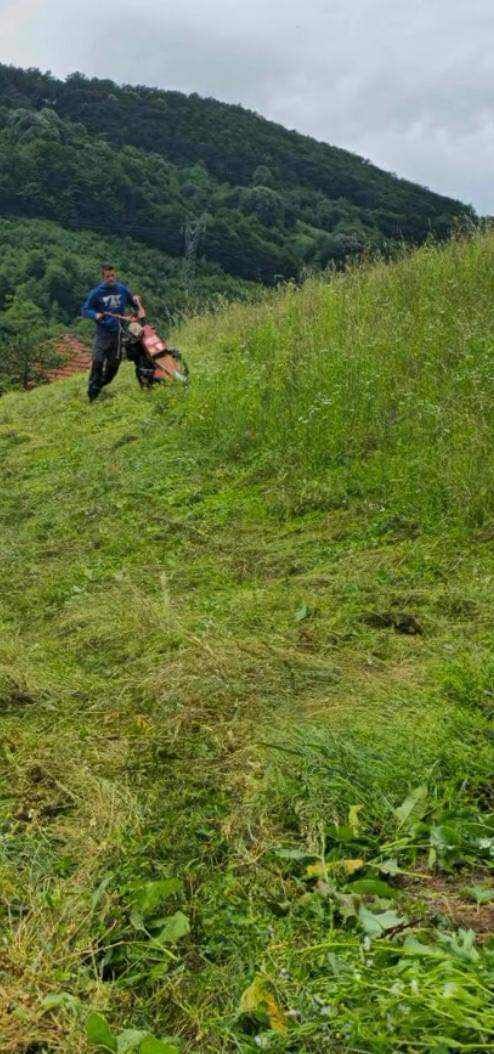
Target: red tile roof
[77,359]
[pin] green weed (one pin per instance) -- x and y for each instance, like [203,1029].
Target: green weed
[246,680]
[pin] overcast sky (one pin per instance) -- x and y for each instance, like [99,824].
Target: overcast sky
[406,83]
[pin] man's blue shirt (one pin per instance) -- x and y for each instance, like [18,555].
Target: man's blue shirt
[114,297]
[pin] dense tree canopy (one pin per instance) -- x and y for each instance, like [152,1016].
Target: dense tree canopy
[54,268]
[147,164]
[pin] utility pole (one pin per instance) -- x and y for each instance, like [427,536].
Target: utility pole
[193,231]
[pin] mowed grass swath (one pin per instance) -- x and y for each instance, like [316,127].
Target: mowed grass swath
[247,673]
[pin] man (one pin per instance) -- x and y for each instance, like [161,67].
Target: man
[109,298]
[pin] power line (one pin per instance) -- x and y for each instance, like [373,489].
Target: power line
[96,227]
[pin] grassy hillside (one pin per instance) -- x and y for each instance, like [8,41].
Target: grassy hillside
[246,671]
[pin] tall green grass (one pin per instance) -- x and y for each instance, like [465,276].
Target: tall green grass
[378,384]
[246,683]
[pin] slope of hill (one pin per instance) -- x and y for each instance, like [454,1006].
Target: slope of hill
[246,679]
[258,201]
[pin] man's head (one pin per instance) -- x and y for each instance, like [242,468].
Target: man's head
[108,273]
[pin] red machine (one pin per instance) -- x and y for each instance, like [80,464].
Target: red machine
[154,360]
[168,363]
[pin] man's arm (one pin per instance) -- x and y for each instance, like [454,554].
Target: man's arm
[136,302]
[88,309]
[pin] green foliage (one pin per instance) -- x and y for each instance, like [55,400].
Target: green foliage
[246,678]
[165,159]
[262,177]
[377,399]
[55,268]
[149,896]
[26,344]
[101,1036]
[99,1033]
[264,203]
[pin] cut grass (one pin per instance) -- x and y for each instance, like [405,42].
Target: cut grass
[237,634]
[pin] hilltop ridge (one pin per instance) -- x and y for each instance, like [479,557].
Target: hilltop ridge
[222,198]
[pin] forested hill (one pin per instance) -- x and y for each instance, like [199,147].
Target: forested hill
[258,201]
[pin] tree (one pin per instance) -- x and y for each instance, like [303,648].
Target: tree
[262,177]
[265,203]
[31,124]
[26,345]
[275,198]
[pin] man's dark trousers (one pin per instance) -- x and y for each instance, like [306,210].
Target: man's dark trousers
[106,360]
